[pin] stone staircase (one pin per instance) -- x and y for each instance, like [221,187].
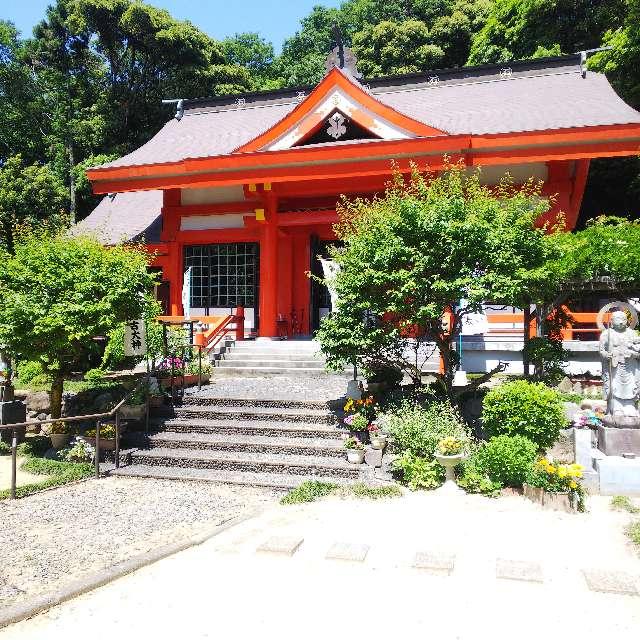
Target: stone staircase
[265,443]
[255,357]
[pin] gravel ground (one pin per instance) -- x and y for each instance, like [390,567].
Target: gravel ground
[55,537]
[324,387]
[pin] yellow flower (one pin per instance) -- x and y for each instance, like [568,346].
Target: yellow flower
[563,472]
[573,484]
[550,469]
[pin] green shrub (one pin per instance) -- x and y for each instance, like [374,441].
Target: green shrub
[633,532]
[361,490]
[507,459]
[418,429]
[95,376]
[31,372]
[309,491]
[5,448]
[622,503]
[549,358]
[474,479]
[382,373]
[528,409]
[34,447]
[418,472]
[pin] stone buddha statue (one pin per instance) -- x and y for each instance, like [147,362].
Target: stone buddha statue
[620,354]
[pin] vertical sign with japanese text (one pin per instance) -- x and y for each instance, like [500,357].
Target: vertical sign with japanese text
[135,340]
[186,294]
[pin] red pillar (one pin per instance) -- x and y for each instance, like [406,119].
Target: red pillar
[269,271]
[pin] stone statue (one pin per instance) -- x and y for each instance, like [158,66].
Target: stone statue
[620,354]
[330,268]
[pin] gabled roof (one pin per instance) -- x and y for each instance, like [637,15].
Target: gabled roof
[124,217]
[527,96]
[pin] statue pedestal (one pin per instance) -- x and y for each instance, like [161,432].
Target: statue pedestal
[616,441]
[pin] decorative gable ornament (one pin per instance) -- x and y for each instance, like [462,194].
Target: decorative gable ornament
[343,58]
[337,126]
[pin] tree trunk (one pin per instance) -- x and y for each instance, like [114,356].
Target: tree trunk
[72,185]
[57,387]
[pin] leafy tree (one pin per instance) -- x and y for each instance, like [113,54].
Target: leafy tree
[29,195]
[254,53]
[516,28]
[382,49]
[411,255]
[58,293]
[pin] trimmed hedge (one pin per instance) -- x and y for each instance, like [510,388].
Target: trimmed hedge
[529,409]
[507,459]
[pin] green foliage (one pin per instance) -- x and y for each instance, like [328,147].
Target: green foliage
[417,429]
[361,490]
[524,408]
[28,195]
[34,447]
[381,373]
[474,479]
[59,293]
[413,253]
[506,459]
[59,473]
[5,448]
[31,372]
[623,503]
[633,532]
[607,247]
[309,491]
[381,49]
[418,472]
[517,29]
[549,358]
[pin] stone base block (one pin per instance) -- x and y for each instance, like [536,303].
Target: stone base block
[373,457]
[619,476]
[617,442]
[11,413]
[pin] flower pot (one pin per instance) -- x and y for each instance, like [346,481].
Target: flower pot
[560,501]
[132,411]
[377,442]
[106,444]
[449,463]
[355,456]
[535,494]
[59,440]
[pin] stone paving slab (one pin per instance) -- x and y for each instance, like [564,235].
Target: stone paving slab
[438,563]
[611,582]
[347,551]
[519,570]
[281,544]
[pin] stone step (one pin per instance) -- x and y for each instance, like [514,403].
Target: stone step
[268,428]
[195,399]
[315,416]
[249,462]
[263,354]
[270,364]
[258,371]
[248,443]
[276,481]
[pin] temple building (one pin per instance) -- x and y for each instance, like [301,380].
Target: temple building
[243,189]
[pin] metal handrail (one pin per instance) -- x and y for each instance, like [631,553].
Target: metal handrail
[115,412]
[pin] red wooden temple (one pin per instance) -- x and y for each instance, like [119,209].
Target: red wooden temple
[243,189]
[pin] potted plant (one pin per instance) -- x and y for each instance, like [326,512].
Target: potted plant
[135,407]
[355,450]
[59,435]
[450,453]
[555,486]
[377,438]
[107,436]
[79,451]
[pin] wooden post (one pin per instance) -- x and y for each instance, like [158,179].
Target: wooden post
[14,462]
[97,448]
[117,452]
[239,318]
